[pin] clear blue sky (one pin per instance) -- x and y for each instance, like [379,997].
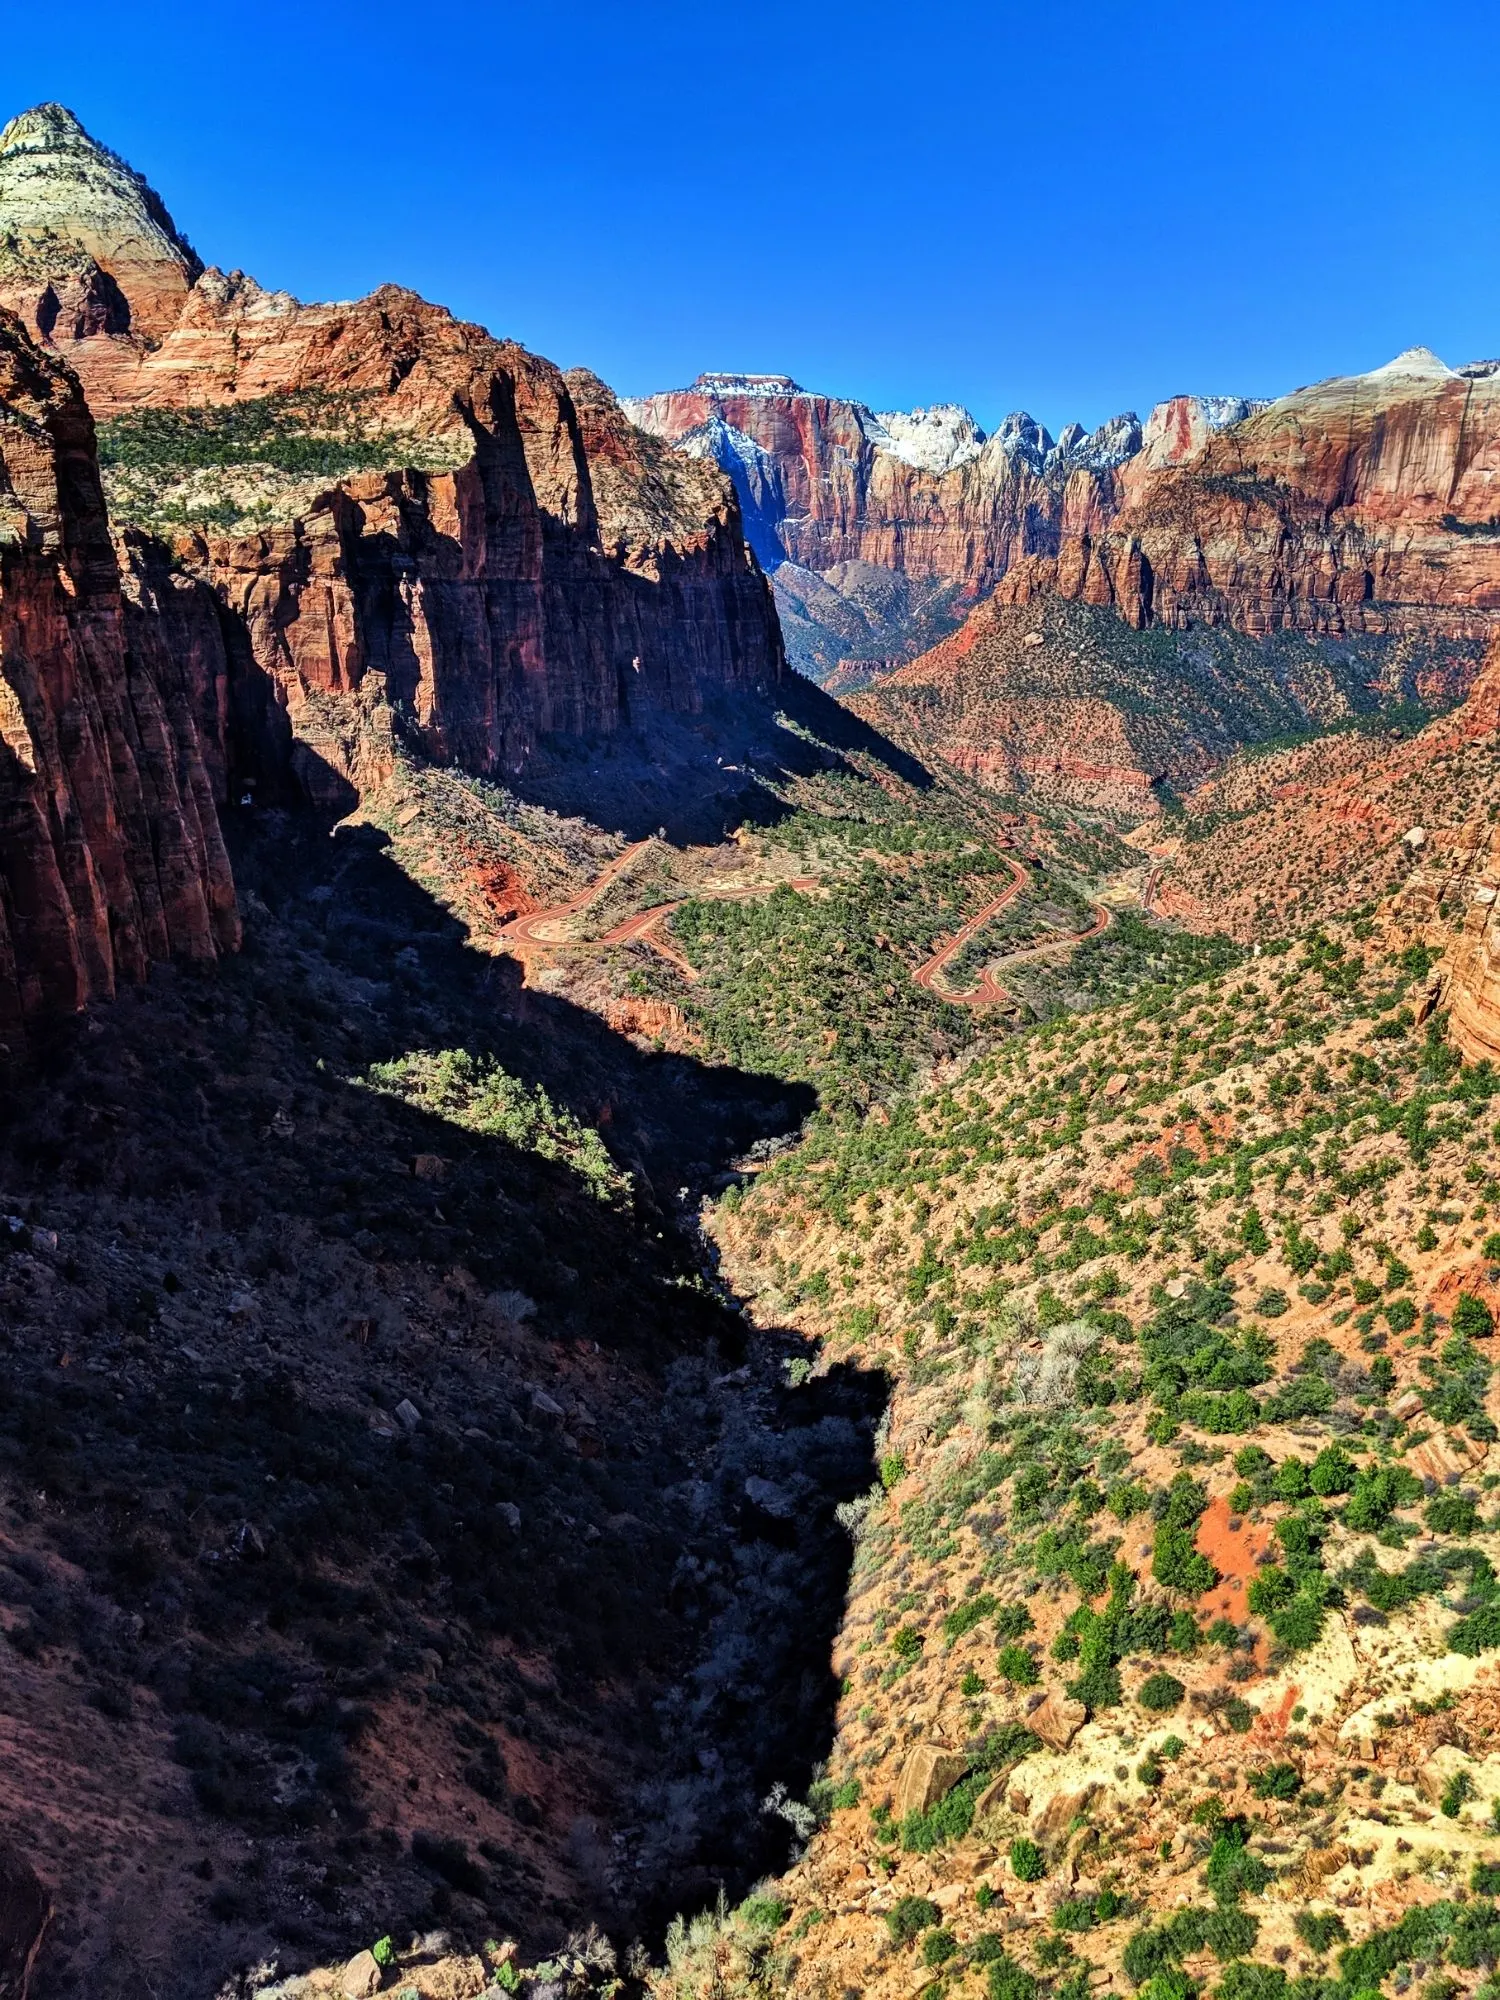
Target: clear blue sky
[1068,208]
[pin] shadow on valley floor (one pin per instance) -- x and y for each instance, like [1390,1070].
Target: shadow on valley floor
[697,778]
[392,1531]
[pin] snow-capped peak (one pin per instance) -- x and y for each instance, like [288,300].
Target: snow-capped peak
[935,439]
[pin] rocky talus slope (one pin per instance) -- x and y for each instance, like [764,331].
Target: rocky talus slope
[1169,1662]
[110,849]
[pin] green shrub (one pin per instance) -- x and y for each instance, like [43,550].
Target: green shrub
[938,1947]
[892,1470]
[906,1642]
[1247,1981]
[1276,1781]
[1017,1666]
[1400,1315]
[1331,1472]
[1270,1589]
[1009,1981]
[1456,1793]
[1184,1635]
[910,1916]
[1485,1880]
[763,1913]
[1471,1318]
[1176,1563]
[1452,1513]
[964,1617]
[1320,1930]
[1228,1932]
[1299,1624]
[1289,1481]
[1012,1621]
[1160,1693]
[1232,1870]
[1027,1862]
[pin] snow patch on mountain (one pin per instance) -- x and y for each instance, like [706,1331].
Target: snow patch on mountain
[936,439]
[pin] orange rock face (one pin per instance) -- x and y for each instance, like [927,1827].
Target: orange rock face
[110,851]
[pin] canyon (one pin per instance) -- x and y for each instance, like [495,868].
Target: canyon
[670,1332]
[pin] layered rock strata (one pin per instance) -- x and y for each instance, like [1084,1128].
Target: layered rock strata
[1368,503]
[394,510]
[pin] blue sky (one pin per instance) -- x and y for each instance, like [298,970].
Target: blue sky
[1072,209]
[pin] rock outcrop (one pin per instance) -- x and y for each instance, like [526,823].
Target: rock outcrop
[110,849]
[924,493]
[86,247]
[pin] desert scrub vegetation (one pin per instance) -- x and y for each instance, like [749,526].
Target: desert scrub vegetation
[817,986]
[476,1093]
[226,464]
[1155,1276]
[724,1952]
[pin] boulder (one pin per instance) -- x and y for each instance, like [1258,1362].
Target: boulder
[930,1772]
[361,1977]
[25,1912]
[1057,1720]
[1438,1770]
[1051,1823]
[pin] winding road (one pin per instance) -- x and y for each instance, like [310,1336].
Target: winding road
[540,927]
[989,992]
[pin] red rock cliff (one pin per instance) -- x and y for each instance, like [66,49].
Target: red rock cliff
[523,560]
[110,852]
[1370,503]
[927,494]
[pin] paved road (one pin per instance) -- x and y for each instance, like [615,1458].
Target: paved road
[532,928]
[986,993]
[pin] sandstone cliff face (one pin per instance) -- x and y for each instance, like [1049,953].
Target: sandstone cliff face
[511,557]
[1363,504]
[826,484]
[922,493]
[110,851]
